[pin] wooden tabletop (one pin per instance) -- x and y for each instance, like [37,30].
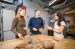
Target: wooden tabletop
[62,44]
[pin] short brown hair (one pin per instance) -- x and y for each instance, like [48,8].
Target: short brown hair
[36,10]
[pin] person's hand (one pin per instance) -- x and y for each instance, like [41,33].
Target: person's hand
[34,29]
[25,28]
[40,29]
[48,27]
[20,36]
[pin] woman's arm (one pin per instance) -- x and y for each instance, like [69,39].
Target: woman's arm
[14,24]
[61,29]
[13,28]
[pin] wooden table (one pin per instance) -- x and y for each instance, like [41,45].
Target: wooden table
[62,44]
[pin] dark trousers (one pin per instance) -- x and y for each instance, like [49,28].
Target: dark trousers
[50,33]
[35,33]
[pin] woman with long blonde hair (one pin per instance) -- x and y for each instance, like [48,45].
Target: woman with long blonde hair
[19,24]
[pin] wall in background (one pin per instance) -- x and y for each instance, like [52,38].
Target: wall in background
[31,6]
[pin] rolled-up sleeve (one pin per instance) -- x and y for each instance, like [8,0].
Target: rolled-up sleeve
[63,23]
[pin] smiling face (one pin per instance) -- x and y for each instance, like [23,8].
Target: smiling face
[23,12]
[37,14]
[56,17]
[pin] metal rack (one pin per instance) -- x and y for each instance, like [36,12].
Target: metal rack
[1,17]
[2,7]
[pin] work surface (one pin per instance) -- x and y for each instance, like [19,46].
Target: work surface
[58,44]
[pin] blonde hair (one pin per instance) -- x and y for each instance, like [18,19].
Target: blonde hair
[18,13]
